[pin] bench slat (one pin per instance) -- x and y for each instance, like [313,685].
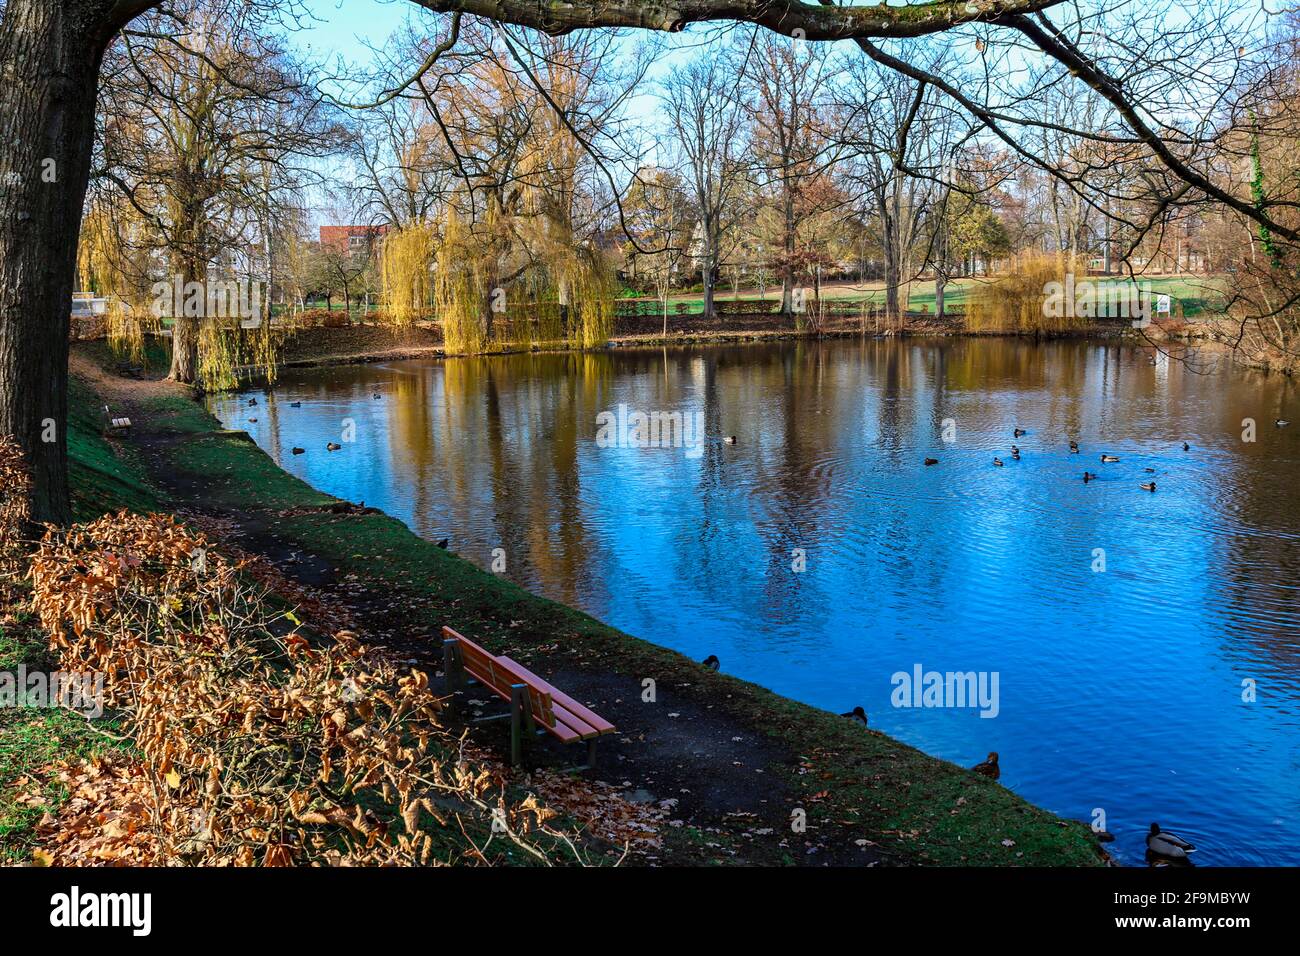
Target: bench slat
[560,699]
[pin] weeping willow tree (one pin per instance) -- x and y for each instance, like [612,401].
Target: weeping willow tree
[112,262]
[511,266]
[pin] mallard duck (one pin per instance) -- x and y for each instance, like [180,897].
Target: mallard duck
[1015,450]
[1015,456]
[443,544]
[932,461]
[989,768]
[252,402]
[376,396]
[1148,486]
[730,439]
[1281,422]
[1088,476]
[1109,458]
[1074,448]
[1017,432]
[1149,471]
[1166,844]
[299,451]
[998,462]
[295,404]
[1186,447]
[711,662]
[253,420]
[857,713]
[332,446]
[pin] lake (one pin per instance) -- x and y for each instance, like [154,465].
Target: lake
[1146,645]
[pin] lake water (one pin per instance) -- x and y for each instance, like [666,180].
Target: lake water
[1119,690]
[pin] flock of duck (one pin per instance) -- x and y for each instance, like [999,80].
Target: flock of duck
[329,445]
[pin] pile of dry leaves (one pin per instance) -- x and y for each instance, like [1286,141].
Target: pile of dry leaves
[259,746]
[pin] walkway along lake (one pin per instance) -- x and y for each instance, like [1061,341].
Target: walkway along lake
[1144,647]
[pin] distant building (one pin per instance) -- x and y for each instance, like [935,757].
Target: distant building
[354,240]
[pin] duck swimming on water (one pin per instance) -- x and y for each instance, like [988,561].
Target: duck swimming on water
[1074,448]
[932,461]
[730,439]
[998,462]
[1148,486]
[1017,432]
[712,662]
[1166,844]
[1088,476]
[1109,458]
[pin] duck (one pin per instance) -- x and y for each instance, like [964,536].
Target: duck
[1088,476]
[1015,456]
[1017,432]
[295,404]
[1166,844]
[730,439]
[1149,471]
[443,543]
[332,446]
[998,462]
[1281,422]
[1110,458]
[252,402]
[298,451]
[1186,447]
[376,396]
[712,662]
[932,461]
[989,768]
[1015,450]
[857,713]
[1074,448]
[1148,486]
[253,420]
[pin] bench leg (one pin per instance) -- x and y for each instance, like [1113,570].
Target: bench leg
[451,666]
[591,754]
[518,715]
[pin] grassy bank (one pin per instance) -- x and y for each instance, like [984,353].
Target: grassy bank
[865,795]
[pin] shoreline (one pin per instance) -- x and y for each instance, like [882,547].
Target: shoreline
[313,348]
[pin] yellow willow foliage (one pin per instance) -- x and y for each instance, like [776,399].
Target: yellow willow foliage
[459,292]
[404,272]
[1017,301]
[108,265]
[228,354]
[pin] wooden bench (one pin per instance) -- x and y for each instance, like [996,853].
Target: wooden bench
[533,701]
[115,426]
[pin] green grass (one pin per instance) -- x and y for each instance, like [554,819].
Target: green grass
[918,808]
[1197,294]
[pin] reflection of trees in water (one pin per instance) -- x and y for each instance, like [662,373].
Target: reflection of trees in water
[526,414]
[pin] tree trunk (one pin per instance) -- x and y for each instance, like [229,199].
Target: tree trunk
[49,61]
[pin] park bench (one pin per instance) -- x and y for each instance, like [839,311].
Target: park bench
[115,426]
[533,701]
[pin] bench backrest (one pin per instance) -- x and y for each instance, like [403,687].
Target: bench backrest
[500,676]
